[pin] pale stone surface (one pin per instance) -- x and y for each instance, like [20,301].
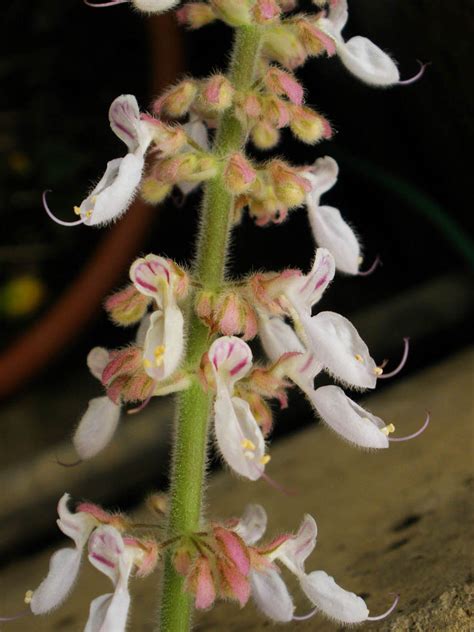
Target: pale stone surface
[391,521]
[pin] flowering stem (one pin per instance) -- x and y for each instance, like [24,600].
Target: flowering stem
[190,445]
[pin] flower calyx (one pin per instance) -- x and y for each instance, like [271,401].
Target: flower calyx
[229,312]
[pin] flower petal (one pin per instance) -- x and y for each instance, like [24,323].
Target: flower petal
[271,595]
[164,342]
[77,526]
[114,193]
[153,276]
[97,427]
[55,587]
[306,291]
[332,600]
[238,435]
[368,62]
[154,6]
[278,338]
[97,360]
[337,15]
[294,551]
[341,350]
[348,419]
[231,360]
[252,524]
[97,613]
[124,117]
[322,177]
[333,233]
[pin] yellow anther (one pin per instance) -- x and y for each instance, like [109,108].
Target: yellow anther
[146,363]
[88,214]
[77,210]
[28,596]
[388,429]
[265,459]
[360,260]
[93,199]
[378,370]
[159,354]
[358,357]
[248,445]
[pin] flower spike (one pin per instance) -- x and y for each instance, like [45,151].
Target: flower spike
[415,434]
[419,75]
[56,219]
[372,268]
[402,361]
[389,611]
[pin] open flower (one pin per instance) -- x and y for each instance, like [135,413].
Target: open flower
[162,280]
[269,590]
[359,55]
[329,229]
[147,6]
[238,435]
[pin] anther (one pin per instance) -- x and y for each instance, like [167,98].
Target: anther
[359,358]
[266,458]
[248,445]
[388,429]
[415,434]
[159,354]
[28,596]
[378,371]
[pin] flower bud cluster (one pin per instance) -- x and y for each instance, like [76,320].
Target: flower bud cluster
[228,313]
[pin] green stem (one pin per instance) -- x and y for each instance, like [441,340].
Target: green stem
[190,445]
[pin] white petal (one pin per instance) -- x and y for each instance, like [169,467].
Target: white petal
[164,342]
[97,360]
[142,330]
[76,526]
[153,276]
[231,360]
[97,427]
[304,292]
[252,524]
[294,551]
[368,62]
[114,193]
[98,612]
[340,349]
[198,132]
[322,176]
[117,612]
[55,587]
[278,338]
[337,15]
[349,419]
[154,6]
[333,233]
[124,117]
[235,426]
[332,600]
[271,595]
[106,547]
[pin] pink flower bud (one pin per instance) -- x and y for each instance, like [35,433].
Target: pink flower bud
[264,135]
[123,362]
[195,14]
[248,106]
[233,12]
[239,174]
[201,583]
[266,10]
[127,307]
[307,125]
[205,306]
[314,40]
[182,560]
[177,101]
[290,188]
[234,585]
[233,315]
[282,44]
[168,140]
[234,548]
[276,112]
[280,82]
[217,93]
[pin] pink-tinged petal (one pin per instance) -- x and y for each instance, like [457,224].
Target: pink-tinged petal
[97,427]
[97,360]
[252,524]
[106,547]
[333,233]
[322,177]
[53,590]
[310,288]
[368,62]
[114,193]
[124,117]
[234,548]
[231,359]
[152,275]
[348,419]
[332,600]
[294,551]
[338,15]
[238,435]
[205,587]
[338,346]
[271,595]
[235,584]
[77,526]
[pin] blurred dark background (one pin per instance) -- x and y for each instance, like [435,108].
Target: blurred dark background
[404,184]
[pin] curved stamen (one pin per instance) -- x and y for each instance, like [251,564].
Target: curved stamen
[103,5]
[389,611]
[305,617]
[372,268]
[73,464]
[54,218]
[418,75]
[144,404]
[20,615]
[415,434]
[402,363]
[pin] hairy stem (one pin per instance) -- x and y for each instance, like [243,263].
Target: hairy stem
[190,445]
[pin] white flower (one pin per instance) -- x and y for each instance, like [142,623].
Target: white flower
[238,435]
[164,341]
[359,55]
[65,563]
[108,553]
[113,194]
[269,591]
[147,6]
[329,229]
